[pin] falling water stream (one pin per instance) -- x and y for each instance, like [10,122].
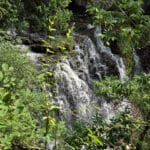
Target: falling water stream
[117,59]
[75,75]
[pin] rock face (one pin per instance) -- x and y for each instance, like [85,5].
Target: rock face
[90,60]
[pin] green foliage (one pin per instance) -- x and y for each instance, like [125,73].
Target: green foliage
[95,139]
[124,131]
[106,88]
[136,90]
[24,104]
[59,9]
[34,14]
[76,136]
[11,14]
[40,12]
[62,20]
[119,133]
[14,115]
[52,128]
[124,23]
[13,57]
[56,44]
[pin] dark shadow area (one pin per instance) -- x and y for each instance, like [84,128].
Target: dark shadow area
[146,7]
[77,9]
[144,55]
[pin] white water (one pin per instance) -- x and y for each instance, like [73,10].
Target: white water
[74,81]
[74,94]
[117,59]
[74,76]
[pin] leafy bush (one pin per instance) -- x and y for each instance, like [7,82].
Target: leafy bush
[123,23]
[99,134]
[24,104]
[137,91]
[17,125]
[13,57]
[11,14]
[58,43]
[34,15]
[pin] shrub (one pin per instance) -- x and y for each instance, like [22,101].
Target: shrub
[124,24]
[24,103]
[34,15]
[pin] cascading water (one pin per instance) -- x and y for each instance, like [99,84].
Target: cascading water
[74,80]
[117,59]
[74,75]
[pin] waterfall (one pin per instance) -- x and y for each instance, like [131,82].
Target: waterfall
[74,77]
[90,60]
[117,59]
[108,108]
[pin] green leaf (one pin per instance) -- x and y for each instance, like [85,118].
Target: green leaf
[94,138]
[50,74]
[51,22]
[53,108]
[52,29]
[5,67]
[11,69]
[6,80]
[45,42]
[52,121]
[41,76]
[97,108]
[6,97]
[107,43]
[13,79]
[49,51]
[61,47]
[1,76]
[51,37]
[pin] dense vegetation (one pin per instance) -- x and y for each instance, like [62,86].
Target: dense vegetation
[124,26]
[136,90]
[24,106]
[34,15]
[28,117]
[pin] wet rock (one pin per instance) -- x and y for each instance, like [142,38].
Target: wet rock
[91,60]
[34,41]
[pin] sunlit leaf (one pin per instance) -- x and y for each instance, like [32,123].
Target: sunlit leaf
[1,76]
